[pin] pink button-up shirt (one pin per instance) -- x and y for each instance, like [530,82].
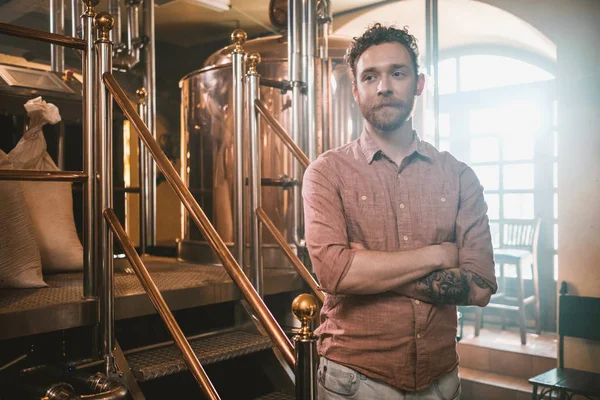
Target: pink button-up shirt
[357,194]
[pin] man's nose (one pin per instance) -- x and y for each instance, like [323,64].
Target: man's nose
[383,87]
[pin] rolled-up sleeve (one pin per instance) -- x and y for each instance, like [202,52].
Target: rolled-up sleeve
[325,226]
[473,238]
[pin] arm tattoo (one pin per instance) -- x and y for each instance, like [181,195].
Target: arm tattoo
[449,286]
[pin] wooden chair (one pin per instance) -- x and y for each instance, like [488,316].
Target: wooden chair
[579,317]
[520,247]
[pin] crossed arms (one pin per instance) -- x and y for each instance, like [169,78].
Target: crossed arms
[446,273]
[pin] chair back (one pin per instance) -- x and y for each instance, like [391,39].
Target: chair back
[522,234]
[579,317]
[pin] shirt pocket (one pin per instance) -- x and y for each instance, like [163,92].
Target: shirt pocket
[365,213]
[439,209]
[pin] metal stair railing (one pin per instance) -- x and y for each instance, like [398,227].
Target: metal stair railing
[202,222]
[160,305]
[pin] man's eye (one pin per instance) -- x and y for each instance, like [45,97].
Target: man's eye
[368,78]
[398,74]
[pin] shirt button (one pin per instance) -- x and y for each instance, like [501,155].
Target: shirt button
[405,238]
[443,199]
[418,336]
[401,205]
[417,302]
[365,197]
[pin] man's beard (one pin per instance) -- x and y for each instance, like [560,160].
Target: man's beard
[387,124]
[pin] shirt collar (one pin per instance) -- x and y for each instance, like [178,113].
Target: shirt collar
[370,148]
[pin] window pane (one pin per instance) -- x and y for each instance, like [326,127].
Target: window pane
[555,236]
[517,147]
[485,121]
[524,117]
[447,76]
[555,175]
[556,267]
[518,176]
[493,203]
[495,231]
[489,176]
[518,206]
[555,113]
[444,145]
[444,124]
[555,134]
[487,71]
[485,149]
[555,205]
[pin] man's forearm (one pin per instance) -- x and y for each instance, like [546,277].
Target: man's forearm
[380,271]
[454,286]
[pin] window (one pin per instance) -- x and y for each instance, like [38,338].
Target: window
[498,114]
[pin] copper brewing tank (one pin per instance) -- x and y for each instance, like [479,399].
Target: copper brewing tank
[207,142]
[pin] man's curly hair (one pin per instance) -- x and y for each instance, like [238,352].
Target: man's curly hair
[379,34]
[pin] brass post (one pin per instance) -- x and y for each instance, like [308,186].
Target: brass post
[254,170]
[104,47]
[305,307]
[238,68]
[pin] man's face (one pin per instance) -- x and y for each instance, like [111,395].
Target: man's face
[385,86]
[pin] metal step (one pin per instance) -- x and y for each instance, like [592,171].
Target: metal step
[156,363]
[277,396]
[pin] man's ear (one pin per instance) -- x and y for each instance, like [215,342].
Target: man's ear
[354,90]
[420,85]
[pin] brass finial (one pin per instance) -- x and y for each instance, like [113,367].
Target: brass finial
[252,59]
[141,94]
[304,308]
[104,23]
[90,4]
[239,38]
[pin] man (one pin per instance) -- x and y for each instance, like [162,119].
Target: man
[398,236]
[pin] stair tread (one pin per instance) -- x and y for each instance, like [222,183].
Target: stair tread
[489,378]
[277,396]
[163,361]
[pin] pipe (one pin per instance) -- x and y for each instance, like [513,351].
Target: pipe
[254,170]
[34,34]
[150,85]
[161,306]
[324,28]
[295,78]
[282,134]
[293,258]
[104,23]
[114,9]
[48,176]
[312,115]
[76,11]
[133,31]
[144,157]
[90,213]
[238,67]
[203,223]
[57,26]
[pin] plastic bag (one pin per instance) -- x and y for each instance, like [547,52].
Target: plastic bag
[20,263]
[50,203]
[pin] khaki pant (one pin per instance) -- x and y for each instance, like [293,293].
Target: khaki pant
[337,382]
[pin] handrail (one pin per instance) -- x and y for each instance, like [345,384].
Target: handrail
[293,258]
[160,305]
[42,36]
[202,222]
[283,135]
[32,175]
